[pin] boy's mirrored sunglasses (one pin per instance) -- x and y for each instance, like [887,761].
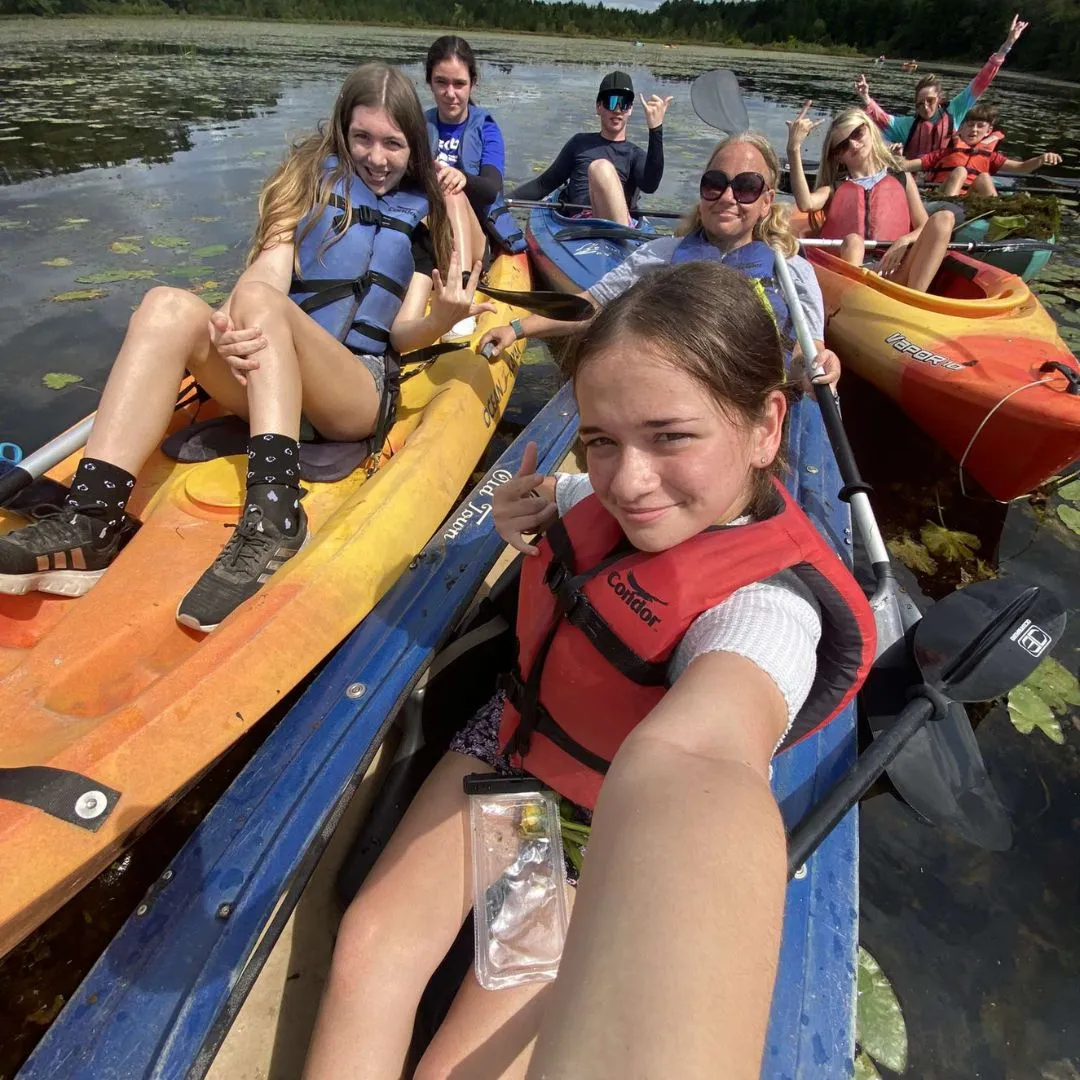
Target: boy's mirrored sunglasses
[616,102]
[746,187]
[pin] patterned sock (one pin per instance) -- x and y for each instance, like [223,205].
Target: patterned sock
[273,479]
[100,490]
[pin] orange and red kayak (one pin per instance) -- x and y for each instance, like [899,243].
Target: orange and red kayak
[109,709]
[977,363]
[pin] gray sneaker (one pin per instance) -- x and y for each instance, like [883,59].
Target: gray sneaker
[255,550]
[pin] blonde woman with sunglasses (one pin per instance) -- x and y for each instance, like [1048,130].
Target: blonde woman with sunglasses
[736,221]
[862,194]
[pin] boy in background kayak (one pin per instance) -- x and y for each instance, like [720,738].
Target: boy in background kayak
[604,170]
[966,166]
[935,121]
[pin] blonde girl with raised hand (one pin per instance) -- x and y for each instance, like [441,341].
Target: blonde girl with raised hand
[863,194]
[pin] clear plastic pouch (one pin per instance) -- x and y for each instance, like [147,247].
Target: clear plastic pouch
[519,880]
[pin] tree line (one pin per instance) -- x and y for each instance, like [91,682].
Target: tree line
[965,30]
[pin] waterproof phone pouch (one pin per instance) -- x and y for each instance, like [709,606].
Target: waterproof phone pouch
[519,880]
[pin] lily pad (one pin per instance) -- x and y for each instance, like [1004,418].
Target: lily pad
[1055,684]
[11,223]
[57,380]
[207,218]
[210,251]
[214,297]
[1028,711]
[1071,491]
[125,247]
[189,273]
[864,1067]
[169,242]
[1070,517]
[879,1021]
[952,545]
[58,261]
[78,294]
[912,554]
[104,277]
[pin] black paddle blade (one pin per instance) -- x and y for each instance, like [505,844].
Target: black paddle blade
[980,641]
[602,232]
[554,305]
[433,352]
[718,101]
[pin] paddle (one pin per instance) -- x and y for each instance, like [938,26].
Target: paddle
[35,465]
[555,305]
[974,645]
[717,100]
[999,246]
[941,774]
[603,232]
[533,204]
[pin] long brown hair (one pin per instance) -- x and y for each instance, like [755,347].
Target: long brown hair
[302,184]
[774,227]
[708,321]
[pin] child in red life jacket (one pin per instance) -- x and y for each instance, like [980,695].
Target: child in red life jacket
[718,617]
[862,194]
[966,165]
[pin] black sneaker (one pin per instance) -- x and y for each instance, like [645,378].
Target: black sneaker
[63,552]
[253,553]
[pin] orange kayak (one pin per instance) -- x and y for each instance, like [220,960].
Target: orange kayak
[109,709]
[978,364]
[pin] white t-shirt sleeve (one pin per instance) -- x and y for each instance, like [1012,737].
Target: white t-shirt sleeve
[615,282]
[772,626]
[570,489]
[809,292]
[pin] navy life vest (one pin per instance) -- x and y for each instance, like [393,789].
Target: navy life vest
[877,213]
[498,222]
[598,622]
[756,261]
[353,287]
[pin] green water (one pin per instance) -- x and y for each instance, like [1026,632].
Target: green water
[131,152]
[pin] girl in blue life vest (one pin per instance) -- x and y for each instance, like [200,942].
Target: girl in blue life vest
[863,194]
[351,228]
[469,153]
[717,616]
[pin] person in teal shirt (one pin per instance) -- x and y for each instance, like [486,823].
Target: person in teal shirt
[935,120]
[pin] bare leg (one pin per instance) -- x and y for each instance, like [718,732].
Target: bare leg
[983,186]
[922,261]
[302,366]
[468,234]
[955,184]
[167,333]
[395,933]
[487,1034]
[606,192]
[853,249]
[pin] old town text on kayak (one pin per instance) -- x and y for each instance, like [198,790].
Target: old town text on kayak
[902,345]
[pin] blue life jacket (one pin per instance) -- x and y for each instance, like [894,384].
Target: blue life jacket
[756,261]
[353,288]
[498,222]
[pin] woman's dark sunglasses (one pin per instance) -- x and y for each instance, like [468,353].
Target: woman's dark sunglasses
[746,187]
[616,102]
[856,133]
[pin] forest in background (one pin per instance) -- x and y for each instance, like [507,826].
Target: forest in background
[965,30]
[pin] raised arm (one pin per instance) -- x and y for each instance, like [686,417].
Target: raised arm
[971,93]
[668,971]
[798,129]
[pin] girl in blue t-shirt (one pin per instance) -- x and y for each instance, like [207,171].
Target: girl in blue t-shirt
[470,157]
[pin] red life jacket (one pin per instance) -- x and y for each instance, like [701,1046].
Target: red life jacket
[926,136]
[598,622]
[975,157]
[877,213]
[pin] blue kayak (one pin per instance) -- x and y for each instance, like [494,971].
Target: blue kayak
[812,1031]
[573,265]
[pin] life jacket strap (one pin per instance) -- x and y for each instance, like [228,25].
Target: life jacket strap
[325,291]
[366,215]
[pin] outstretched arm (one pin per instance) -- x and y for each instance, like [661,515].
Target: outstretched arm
[553,177]
[1014,167]
[648,954]
[959,106]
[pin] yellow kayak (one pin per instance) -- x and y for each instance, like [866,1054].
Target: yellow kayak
[109,709]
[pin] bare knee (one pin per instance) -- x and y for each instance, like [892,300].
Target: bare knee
[175,309]
[601,169]
[984,185]
[942,223]
[254,300]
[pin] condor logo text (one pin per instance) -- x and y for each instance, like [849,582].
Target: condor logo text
[639,601]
